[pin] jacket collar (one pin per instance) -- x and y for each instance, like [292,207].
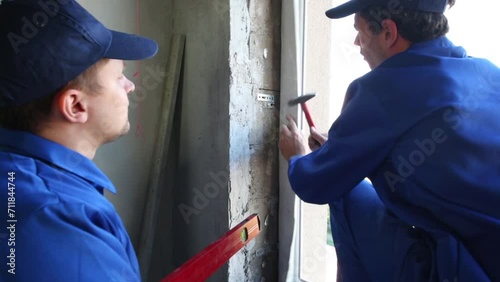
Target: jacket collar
[25,143]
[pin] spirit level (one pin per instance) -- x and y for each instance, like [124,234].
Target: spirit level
[205,263]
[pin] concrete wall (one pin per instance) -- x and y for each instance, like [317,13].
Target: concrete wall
[203,153]
[224,163]
[255,69]
[195,208]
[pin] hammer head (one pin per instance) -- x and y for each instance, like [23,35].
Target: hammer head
[301,99]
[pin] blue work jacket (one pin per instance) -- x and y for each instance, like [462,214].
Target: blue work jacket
[424,127]
[55,223]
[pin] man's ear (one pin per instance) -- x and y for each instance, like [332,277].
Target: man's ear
[73,105]
[390,31]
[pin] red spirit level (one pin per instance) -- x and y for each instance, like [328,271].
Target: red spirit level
[206,262]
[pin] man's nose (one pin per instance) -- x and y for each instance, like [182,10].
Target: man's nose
[130,86]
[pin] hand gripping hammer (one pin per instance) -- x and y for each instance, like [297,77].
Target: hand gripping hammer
[302,101]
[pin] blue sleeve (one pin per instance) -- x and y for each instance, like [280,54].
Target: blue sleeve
[358,142]
[66,242]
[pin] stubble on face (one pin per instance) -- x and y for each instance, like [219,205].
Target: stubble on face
[368,42]
[111,103]
[113,135]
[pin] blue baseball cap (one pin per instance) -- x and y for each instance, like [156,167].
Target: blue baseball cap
[354,6]
[44,44]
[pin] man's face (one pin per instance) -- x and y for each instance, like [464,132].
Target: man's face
[371,46]
[108,108]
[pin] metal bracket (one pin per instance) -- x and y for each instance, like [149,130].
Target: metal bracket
[267,100]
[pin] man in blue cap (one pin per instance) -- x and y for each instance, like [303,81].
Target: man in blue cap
[62,95]
[424,127]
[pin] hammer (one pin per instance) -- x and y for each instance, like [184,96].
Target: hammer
[302,101]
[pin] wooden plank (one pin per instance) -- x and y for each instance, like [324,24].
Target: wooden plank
[150,216]
[205,263]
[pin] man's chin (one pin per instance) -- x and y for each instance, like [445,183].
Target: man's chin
[124,131]
[126,128]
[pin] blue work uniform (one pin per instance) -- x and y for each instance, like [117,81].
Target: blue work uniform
[56,224]
[424,127]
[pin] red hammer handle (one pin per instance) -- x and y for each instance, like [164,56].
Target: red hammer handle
[308,115]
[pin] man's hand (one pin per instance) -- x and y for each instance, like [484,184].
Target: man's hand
[292,142]
[316,139]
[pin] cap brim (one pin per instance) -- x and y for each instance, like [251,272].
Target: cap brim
[345,9]
[129,47]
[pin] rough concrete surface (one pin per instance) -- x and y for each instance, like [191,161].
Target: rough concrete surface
[255,69]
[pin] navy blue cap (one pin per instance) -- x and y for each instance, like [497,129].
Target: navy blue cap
[393,6]
[44,44]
